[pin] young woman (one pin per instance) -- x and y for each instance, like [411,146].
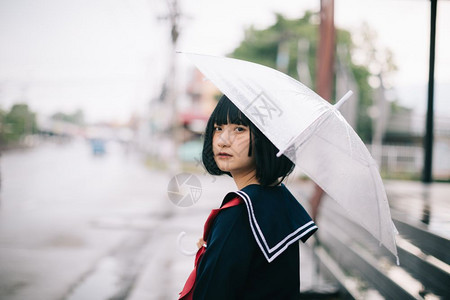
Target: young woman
[250,245]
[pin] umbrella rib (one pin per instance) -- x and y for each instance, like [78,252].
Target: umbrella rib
[347,130]
[324,116]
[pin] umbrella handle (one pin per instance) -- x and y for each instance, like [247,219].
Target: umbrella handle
[343,99]
[180,248]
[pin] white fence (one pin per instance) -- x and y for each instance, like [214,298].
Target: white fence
[408,160]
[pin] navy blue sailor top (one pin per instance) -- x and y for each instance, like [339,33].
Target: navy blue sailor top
[253,250]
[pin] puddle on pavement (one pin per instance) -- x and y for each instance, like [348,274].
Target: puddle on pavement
[113,275]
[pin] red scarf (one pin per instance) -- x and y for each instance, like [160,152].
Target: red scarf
[188,290]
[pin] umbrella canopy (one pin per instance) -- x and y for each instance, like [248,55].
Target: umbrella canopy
[312,133]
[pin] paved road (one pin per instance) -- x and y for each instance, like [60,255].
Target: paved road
[64,211]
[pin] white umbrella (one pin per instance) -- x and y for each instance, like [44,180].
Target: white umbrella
[312,133]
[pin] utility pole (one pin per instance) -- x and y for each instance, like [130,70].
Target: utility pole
[171,81]
[325,73]
[325,57]
[427,175]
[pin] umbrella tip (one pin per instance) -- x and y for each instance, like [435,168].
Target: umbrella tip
[343,99]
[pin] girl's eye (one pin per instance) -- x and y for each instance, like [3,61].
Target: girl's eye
[217,128]
[240,129]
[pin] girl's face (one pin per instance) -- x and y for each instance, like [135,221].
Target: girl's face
[230,147]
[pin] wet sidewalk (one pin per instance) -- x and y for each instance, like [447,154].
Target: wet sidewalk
[424,204]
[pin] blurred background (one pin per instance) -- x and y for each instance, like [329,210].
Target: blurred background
[98,113]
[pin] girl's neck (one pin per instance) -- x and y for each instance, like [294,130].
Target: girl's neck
[242,180]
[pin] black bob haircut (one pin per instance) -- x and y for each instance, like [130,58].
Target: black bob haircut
[270,169]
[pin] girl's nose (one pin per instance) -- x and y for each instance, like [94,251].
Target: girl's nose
[224,139]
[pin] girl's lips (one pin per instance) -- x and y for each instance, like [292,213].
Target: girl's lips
[223,154]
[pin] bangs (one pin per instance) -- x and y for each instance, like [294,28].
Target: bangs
[227,113]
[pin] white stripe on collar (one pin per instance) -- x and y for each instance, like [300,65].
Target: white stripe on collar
[272,253]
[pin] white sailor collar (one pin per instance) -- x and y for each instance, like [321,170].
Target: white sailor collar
[276,218]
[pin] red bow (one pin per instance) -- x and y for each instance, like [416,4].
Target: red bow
[188,290]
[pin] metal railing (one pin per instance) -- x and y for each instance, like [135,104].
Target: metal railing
[347,252]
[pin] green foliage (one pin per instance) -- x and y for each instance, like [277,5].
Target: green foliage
[261,46]
[2,127]
[364,123]
[16,123]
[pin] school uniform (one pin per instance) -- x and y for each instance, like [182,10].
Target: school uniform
[252,247]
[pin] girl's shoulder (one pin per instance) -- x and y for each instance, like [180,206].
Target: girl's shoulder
[268,195]
[275,217]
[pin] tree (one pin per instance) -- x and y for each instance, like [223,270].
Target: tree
[17,123]
[2,128]
[284,37]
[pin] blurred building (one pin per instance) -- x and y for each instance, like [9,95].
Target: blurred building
[202,98]
[156,134]
[402,149]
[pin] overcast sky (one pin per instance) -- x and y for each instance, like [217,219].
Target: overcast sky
[109,57]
